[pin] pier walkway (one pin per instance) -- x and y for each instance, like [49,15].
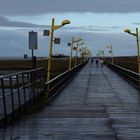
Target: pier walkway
[96,105]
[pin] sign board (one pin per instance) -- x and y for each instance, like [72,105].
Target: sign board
[80,50]
[46,32]
[57,40]
[69,44]
[32,40]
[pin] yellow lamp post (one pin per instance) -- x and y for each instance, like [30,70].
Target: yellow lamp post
[77,49]
[84,53]
[53,27]
[80,50]
[70,62]
[137,40]
[101,53]
[111,51]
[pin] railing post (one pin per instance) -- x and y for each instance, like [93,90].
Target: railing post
[33,81]
[24,90]
[4,101]
[18,90]
[29,88]
[12,97]
[47,92]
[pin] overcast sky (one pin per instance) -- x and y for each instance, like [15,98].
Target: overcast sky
[98,22]
[33,7]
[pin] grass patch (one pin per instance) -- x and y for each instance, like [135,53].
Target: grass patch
[129,62]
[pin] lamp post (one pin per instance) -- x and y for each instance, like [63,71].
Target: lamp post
[77,49]
[85,53]
[53,27]
[136,34]
[70,61]
[111,51]
[80,50]
[101,53]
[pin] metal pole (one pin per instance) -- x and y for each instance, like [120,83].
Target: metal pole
[112,54]
[32,58]
[81,59]
[50,53]
[138,51]
[12,97]
[76,54]
[70,63]
[4,100]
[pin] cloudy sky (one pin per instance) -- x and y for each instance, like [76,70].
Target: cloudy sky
[98,22]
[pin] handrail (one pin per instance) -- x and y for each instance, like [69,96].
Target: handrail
[18,73]
[130,76]
[54,85]
[29,90]
[19,92]
[63,73]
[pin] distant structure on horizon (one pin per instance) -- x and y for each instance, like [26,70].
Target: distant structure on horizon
[60,56]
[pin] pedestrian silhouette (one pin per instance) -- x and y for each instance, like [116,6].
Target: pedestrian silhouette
[92,60]
[102,63]
[96,63]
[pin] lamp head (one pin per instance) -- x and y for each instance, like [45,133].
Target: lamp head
[64,22]
[127,31]
[80,39]
[82,43]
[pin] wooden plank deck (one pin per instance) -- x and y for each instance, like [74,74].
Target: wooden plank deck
[96,105]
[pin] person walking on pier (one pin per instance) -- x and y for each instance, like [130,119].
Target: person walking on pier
[92,60]
[96,62]
[102,63]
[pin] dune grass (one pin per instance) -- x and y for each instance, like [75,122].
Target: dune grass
[129,62]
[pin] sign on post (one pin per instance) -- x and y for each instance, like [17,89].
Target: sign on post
[57,40]
[69,44]
[46,32]
[32,40]
[74,48]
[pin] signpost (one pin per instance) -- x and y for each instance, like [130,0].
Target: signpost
[33,45]
[57,40]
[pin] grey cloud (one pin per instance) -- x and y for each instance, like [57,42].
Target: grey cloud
[136,23]
[33,7]
[5,22]
[15,43]
[115,27]
[122,44]
[93,28]
[87,28]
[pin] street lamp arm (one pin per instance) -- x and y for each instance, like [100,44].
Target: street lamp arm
[81,44]
[110,47]
[57,27]
[80,39]
[64,22]
[77,40]
[129,32]
[134,34]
